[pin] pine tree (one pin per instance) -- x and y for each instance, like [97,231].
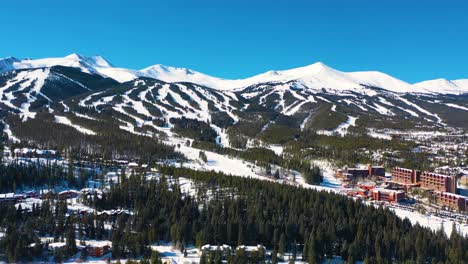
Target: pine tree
[240,236]
[282,244]
[155,258]
[70,246]
[311,252]
[277,174]
[203,259]
[202,156]
[274,256]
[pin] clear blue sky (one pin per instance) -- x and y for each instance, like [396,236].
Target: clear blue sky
[232,39]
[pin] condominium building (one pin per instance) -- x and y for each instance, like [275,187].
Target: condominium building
[426,180]
[388,195]
[405,176]
[451,200]
[438,182]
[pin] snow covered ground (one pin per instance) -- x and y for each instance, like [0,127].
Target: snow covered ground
[433,222]
[216,162]
[167,252]
[242,168]
[9,133]
[64,120]
[342,129]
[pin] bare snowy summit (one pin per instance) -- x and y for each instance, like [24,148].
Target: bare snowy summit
[313,77]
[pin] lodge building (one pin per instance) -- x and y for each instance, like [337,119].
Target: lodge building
[451,200]
[425,180]
[352,173]
[444,186]
[438,182]
[388,195]
[405,176]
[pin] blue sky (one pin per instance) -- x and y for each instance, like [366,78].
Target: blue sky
[411,40]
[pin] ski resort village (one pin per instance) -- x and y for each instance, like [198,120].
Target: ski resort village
[168,165]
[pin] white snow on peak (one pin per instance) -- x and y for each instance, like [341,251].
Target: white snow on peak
[6,64]
[381,80]
[174,74]
[92,64]
[443,86]
[93,61]
[315,76]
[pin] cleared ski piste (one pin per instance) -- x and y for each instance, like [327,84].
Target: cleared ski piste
[238,167]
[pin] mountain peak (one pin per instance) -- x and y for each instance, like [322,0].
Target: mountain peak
[74,56]
[309,70]
[314,76]
[7,64]
[93,61]
[10,58]
[166,68]
[319,64]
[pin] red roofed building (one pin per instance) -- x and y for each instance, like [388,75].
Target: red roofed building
[388,195]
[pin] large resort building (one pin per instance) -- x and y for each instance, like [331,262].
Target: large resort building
[444,186]
[353,173]
[426,180]
[438,182]
[451,200]
[405,176]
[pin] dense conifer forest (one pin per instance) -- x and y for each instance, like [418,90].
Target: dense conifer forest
[228,210]
[109,143]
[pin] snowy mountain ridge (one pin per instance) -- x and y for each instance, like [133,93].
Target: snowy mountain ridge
[314,77]
[76,91]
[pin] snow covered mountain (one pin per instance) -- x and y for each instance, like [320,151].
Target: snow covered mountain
[443,86]
[315,76]
[93,64]
[82,91]
[25,91]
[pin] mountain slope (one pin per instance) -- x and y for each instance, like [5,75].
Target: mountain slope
[315,76]
[275,107]
[444,86]
[92,65]
[26,91]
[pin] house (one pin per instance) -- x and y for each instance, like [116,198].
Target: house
[133,165]
[68,194]
[98,249]
[357,192]
[8,197]
[224,249]
[47,194]
[251,250]
[56,246]
[368,186]
[35,153]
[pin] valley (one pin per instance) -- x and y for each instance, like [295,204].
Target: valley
[167,164]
